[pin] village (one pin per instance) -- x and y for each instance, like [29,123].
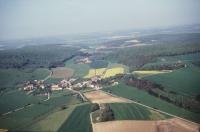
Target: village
[70,84]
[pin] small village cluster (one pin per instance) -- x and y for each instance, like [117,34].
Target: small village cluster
[70,84]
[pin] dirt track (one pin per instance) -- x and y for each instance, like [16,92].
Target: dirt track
[170,125]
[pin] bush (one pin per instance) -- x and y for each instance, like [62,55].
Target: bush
[95,107]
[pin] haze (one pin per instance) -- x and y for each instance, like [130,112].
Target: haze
[38,18]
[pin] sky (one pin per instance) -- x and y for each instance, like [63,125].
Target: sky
[20,19]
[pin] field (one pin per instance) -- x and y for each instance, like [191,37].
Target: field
[11,78]
[79,120]
[56,119]
[62,72]
[26,117]
[131,111]
[144,98]
[95,72]
[184,81]
[80,70]
[182,58]
[172,125]
[52,80]
[144,73]
[15,99]
[105,73]
[101,97]
[113,71]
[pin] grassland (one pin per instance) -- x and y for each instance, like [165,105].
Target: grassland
[10,78]
[56,119]
[182,58]
[184,81]
[80,70]
[52,80]
[15,99]
[145,73]
[79,120]
[22,119]
[143,97]
[127,111]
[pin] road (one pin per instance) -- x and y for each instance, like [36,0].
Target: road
[82,96]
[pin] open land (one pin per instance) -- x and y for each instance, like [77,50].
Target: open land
[101,97]
[170,125]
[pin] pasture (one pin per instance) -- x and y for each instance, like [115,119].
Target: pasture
[144,98]
[80,70]
[12,78]
[184,81]
[15,99]
[23,119]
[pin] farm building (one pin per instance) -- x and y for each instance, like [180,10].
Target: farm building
[55,87]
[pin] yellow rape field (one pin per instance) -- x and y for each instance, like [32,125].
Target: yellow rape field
[113,71]
[105,73]
[91,73]
[145,73]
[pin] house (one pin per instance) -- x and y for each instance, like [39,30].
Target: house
[65,84]
[55,87]
[28,87]
[114,83]
[83,61]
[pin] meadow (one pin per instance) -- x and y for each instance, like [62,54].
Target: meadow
[80,70]
[144,98]
[184,81]
[11,78]
[15,99]
[22,119]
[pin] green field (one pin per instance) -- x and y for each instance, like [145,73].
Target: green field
[15,99]
[80,70]
[55,118]
[26,117]
[53,80]
[143,97]
[184,81]
[79,120]
[183,58]
[127,111]
[10,78]
[171,60]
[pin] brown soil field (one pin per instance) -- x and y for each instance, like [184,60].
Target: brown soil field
[170,125]
[101,97]
[62,72]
